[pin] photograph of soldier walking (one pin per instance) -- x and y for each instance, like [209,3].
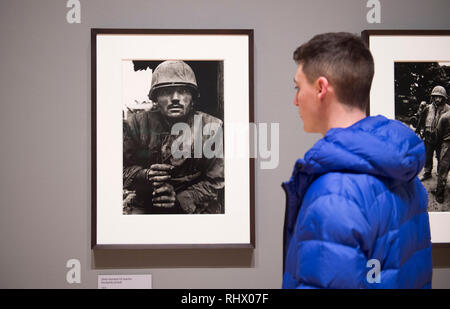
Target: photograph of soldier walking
[172,112]
[421,102]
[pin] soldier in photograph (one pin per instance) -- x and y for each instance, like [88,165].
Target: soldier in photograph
[415,118]
[443,136]
[160,182]
[428,121]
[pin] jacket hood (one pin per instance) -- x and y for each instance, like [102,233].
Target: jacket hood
[374,145]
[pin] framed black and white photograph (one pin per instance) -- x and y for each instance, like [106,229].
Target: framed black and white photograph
[171,164]
[412,84]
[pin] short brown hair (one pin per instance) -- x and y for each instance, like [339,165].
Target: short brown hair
[344,60]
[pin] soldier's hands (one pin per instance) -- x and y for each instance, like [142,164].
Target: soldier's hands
[159,172]
[163,192]
[163,195]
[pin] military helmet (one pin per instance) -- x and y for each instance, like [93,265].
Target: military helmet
[439,91]
[173,73]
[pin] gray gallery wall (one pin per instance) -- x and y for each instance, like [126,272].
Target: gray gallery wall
[45,132]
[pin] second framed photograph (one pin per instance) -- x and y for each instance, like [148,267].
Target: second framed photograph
[170,138]
[412,84]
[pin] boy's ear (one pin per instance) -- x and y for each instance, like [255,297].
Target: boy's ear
[322,87]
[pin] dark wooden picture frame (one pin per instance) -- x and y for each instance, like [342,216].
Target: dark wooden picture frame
[390,48]
[100,59]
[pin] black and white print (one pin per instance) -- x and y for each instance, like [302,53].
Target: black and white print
[165,170]
[421,102]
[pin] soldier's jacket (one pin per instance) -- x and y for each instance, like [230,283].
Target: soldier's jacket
[430,117]
[443,128]
[147,140]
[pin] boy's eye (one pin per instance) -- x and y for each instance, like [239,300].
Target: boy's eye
[296,88]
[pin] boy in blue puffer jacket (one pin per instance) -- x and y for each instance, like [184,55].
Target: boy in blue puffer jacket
[356,213]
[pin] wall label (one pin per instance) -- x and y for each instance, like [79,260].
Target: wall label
[125,281]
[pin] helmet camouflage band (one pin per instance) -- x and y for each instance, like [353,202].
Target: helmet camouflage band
[439,91]
[172,73]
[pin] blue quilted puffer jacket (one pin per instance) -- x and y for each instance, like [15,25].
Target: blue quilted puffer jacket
[356,199]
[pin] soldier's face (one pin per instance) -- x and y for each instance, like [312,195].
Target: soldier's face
[437,99]
[174,102]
